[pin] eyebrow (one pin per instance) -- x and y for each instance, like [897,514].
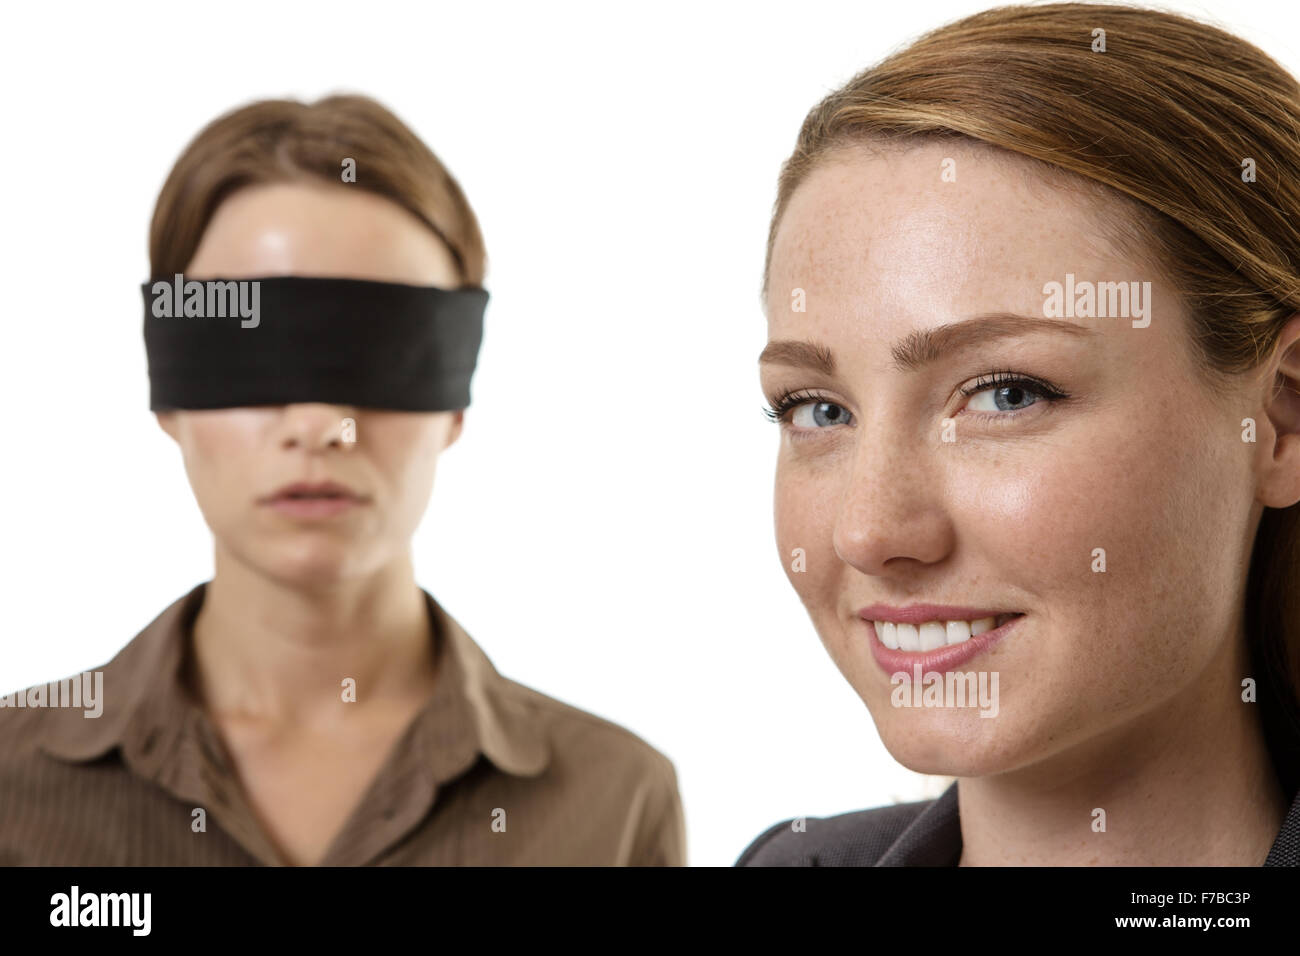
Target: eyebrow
[925,346]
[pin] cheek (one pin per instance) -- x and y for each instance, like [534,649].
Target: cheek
[804,506]
[220,454]
[405,458]
[1147,494]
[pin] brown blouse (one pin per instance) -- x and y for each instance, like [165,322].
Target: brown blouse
[489,773]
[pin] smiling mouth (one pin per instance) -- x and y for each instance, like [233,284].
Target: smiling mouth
[932,635]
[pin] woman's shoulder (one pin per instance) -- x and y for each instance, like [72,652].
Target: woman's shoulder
[518,714]
[44,715]
[858,838]
[583,735]
[22,728]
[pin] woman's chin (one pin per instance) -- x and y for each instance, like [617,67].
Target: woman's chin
[320,566]
[946,744]
[941,761]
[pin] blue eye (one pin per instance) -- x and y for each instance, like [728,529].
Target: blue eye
[807,411]
[1005,398]
[819,415]
[1008,392]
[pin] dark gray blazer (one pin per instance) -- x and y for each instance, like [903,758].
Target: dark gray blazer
[925,833]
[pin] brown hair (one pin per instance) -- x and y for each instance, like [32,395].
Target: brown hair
[1163,120]
[285,141]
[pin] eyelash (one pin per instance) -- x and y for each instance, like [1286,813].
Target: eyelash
[790,399]
[1005,378]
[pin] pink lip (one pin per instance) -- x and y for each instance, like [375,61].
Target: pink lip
[321,499]
[940,659]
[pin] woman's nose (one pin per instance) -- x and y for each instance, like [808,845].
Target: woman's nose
[316,427]
[891,514]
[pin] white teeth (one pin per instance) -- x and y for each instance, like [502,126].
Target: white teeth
[908,638]
[934,634]
[958,631]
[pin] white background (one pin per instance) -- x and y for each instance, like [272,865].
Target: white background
[604,527]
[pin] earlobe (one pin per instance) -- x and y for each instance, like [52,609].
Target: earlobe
[457,424]
[1280,487]
[167,422]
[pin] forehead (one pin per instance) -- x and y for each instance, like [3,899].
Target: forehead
[935,231]
[320,229]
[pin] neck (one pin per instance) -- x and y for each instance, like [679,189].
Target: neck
[1190,783]
[279,651]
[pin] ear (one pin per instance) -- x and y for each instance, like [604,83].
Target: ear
[1280,443]
[457,423]
[167,422]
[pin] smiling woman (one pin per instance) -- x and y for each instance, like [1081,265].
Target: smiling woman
[1100,514]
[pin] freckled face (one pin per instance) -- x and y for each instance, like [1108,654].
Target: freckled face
[234,457]
[1108,440]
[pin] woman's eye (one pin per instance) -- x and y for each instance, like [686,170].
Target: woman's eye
[1008,392]
[1003,398]
[818,415]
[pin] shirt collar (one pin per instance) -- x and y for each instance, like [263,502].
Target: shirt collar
[504,728]
[146,707]
[933,838]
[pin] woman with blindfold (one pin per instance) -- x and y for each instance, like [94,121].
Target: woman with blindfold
[312,320]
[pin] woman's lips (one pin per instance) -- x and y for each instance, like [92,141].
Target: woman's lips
[319,500]
[313,507]
[940,659]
